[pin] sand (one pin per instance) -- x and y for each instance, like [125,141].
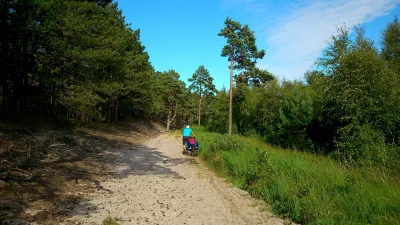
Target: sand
[157,184]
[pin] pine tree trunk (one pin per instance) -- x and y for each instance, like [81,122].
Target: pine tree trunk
[4,50]
[168,124]
[116,110]
[105,112]
[199,111]
[109,111]
[25,71]
[176,111]
[230,99]
[168,119]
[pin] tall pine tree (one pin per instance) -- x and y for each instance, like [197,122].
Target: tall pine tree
[202,85]
[241,51]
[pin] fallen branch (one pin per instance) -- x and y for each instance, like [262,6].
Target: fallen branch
[16,174]
[21,170]
[5,161]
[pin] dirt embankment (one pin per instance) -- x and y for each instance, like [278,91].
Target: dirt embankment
[46,169]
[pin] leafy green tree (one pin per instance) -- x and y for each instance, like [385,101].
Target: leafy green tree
[245,101]
[189,109]
[391,54]
[391,45]
[172,92]
[241,51]
[339,47]
[217,119]
[359,96]
[202,85]
[246,97]
[267,110]
[295,116]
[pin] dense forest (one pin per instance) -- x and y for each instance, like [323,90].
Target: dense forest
[80,60]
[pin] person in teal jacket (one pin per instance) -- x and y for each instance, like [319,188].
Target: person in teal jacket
[187,133]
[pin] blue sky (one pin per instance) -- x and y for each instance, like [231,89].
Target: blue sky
[182,35]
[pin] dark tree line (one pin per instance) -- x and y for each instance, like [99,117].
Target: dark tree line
[79,59]
[69,59]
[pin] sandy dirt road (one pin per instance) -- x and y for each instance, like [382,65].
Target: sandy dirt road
[156,184]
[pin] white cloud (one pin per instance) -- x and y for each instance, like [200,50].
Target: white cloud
[297,35]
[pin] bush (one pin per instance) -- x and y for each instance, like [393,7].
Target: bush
[294,117]
[259,167]
[362,145]
[247,168]
[393,159]
[224,142]
[110,221]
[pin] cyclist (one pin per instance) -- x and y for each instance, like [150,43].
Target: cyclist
[187,133]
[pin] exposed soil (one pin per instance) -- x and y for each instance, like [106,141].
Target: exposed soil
[47,168]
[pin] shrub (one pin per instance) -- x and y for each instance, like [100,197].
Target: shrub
[294,117]
[258,168]
[362,145]
[224,142]
[110,221]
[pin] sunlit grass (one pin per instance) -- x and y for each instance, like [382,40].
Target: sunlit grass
[306,188]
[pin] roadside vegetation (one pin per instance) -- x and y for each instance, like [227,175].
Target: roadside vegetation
[323,150]
[110,221]
[301,186]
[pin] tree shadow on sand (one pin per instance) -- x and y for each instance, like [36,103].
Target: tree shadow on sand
[67,165]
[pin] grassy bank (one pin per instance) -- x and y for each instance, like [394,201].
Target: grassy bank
[306,188]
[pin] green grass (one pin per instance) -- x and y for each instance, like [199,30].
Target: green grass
[305,188]
[110,221]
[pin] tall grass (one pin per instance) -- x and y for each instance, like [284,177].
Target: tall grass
[306,188]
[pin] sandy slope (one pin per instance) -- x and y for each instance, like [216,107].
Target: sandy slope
[156,184]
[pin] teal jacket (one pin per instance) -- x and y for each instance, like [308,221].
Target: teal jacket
[186,132]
